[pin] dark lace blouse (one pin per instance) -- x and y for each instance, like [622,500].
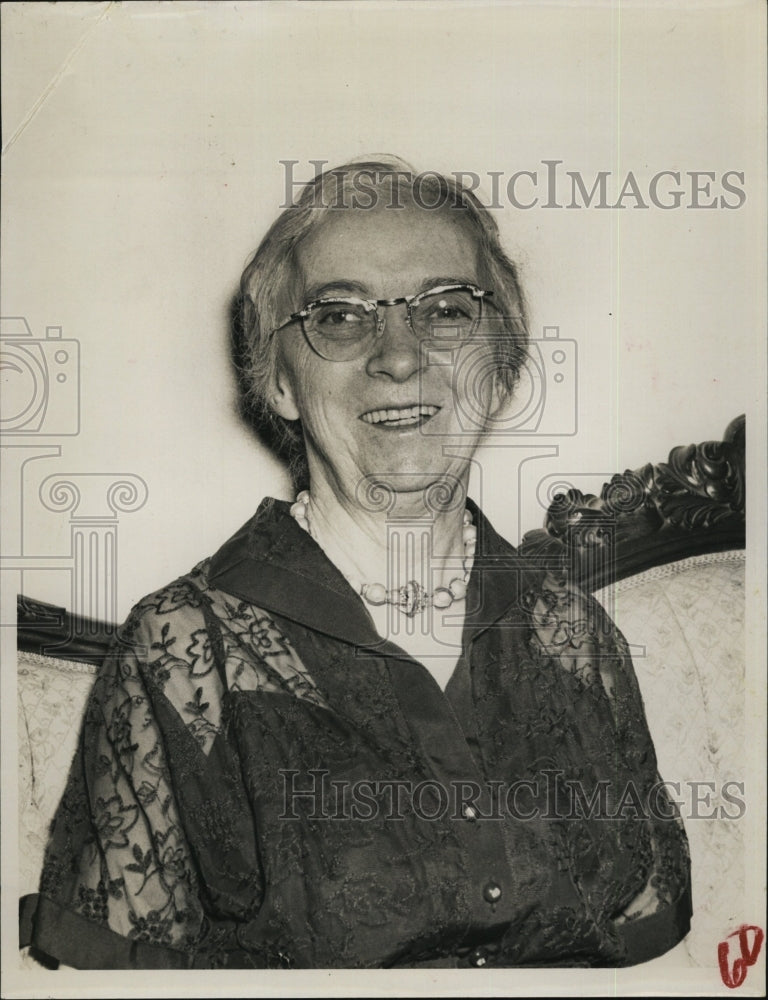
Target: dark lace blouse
[262,781]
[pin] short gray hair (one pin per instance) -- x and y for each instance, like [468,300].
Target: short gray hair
[267,278]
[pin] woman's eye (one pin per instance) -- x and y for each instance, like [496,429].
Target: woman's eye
[337,317]
[449,313]
[455,309]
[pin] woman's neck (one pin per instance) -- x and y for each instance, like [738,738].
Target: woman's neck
[400,538]
[407,542]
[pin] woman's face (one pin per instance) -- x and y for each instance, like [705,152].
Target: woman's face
[383,254]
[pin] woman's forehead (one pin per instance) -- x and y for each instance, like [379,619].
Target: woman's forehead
[383,248]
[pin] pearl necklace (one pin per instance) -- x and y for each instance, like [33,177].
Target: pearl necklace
[411,598]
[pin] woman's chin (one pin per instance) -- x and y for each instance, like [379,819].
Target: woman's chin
[438,490]
[408,470]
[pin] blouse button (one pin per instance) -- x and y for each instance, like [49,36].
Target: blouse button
[478,958]
[492,892]
[469,813]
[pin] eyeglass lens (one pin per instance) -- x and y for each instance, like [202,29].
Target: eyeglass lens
[339,329]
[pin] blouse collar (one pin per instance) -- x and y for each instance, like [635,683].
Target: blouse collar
[273,563]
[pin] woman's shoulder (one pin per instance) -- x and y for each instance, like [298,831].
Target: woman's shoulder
[195,590]
[192,641]
[180,612]
[180,597]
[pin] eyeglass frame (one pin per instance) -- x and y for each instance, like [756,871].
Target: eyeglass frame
[372,306]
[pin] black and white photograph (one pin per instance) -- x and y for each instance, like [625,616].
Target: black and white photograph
[383,431]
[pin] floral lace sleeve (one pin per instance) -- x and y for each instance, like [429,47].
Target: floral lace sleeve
[573,629]
[118,887]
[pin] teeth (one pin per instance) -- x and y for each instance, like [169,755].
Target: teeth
[400,415]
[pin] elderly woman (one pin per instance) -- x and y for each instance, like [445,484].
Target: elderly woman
[365,732]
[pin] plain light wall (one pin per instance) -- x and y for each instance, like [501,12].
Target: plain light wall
[142,165]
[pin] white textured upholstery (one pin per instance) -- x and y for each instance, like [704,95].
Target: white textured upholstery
[685,622]
[51,700]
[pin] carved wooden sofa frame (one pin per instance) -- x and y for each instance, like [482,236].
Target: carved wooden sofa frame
[693,503]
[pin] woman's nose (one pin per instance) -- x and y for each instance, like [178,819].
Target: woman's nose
[396,354]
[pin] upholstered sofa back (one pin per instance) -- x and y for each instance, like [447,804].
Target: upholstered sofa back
[685,625]
[51,700]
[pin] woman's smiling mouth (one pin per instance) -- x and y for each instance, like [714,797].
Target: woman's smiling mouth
[400,416]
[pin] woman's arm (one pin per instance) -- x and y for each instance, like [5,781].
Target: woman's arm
[574,630]
[118,886]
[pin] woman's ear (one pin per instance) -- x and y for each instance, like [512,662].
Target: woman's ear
[281,397]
